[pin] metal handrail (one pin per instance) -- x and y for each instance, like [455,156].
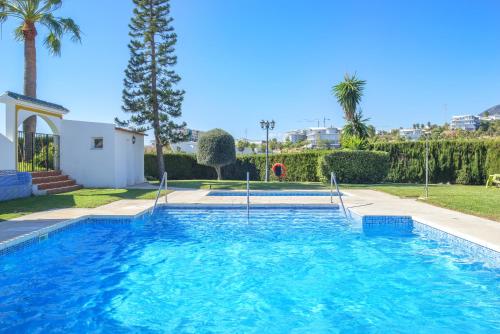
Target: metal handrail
[248,192]
[164,181]
[333,179]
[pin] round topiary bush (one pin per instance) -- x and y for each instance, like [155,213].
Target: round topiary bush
[216,149]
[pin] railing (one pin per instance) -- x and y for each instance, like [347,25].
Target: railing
[164,181]
[248,193]
[37,152]
[333,180]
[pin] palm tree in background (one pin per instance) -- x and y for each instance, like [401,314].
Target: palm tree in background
[30,14]
[357,126]
[348,94]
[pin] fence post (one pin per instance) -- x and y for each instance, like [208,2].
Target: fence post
[32,151]
[47,152]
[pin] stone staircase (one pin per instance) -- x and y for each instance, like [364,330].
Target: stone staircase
[52,182]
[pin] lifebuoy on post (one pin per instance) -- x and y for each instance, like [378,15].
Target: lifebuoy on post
[279,170]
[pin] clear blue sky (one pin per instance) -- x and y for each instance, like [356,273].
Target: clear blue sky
[250,59]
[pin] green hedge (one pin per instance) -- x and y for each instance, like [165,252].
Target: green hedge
[354,166]
[462,161]
[300,167]
[179,166]
[467,161]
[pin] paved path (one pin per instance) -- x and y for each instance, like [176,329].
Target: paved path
[362,202]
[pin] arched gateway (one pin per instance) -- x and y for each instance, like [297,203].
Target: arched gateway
[94,154]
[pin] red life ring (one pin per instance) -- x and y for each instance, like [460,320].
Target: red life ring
[279,170]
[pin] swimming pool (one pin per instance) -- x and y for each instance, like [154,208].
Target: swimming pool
[272,193]
[218,270]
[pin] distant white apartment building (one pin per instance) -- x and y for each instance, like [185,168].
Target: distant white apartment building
[315,136]
[329,136]
[411,134]
[491,118]
[296,136]
[465,122]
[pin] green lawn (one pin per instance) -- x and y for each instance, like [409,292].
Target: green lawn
[476,200]
[84,198]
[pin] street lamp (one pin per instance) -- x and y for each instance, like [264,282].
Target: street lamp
[266,125]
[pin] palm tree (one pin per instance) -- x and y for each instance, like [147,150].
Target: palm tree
[31,13]
[348,94]
[357,126]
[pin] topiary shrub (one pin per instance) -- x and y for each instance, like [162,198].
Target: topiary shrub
[354,166]
[216,149]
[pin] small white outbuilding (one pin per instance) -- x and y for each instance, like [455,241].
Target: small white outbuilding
[93,154]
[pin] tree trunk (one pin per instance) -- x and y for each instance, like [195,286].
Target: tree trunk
[159,156]
[154,101]
[29,124]
[218,169]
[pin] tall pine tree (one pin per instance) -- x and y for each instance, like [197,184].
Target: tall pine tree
[149,92]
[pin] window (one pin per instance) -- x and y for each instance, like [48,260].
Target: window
[97,143]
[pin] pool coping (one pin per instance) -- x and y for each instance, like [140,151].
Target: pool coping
[466,241]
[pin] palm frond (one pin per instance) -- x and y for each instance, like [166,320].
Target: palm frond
[53,43]
[349,93]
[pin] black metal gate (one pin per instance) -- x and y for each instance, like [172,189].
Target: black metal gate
[37,152]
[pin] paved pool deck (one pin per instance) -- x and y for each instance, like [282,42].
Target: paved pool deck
[362,202]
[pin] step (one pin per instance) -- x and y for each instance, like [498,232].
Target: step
[57,184]
[48,179]
[63,189]
[45,173]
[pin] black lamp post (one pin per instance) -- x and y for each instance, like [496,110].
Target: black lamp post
[266,125]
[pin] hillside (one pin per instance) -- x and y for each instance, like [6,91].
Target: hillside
[492,111]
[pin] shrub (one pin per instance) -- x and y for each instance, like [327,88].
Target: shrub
[179,166]
[464,161]
[493,158]
[354,166]
[216,149]
[300,167]
[353,142]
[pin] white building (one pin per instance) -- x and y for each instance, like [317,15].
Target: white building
[296,136]
[92,154]
[329,136]
[411,134]
[465,122]
[491,118]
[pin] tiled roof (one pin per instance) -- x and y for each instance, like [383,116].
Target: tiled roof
[25,98]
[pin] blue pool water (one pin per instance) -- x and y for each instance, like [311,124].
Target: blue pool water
[272,193]
[218,271]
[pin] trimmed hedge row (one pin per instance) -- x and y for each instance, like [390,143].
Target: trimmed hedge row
[466,161]
[354,166]
[179,166]
[301,167]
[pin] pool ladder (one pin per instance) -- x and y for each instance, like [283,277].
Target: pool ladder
[333,180]
[248,193]
[164,182]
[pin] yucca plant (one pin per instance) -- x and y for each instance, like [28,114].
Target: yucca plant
[357,126]
[348,94]
[30,14]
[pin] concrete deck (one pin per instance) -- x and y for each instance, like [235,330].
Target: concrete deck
[362,202]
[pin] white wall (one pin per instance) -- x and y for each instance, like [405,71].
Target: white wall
[117,165]
[89,167]
[7,159]
[129,159]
